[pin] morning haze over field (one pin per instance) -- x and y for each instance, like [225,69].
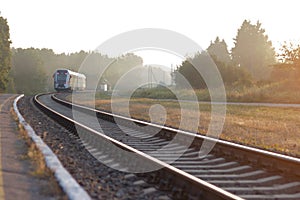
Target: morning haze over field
[255,45]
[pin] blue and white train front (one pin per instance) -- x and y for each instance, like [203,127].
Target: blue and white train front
[61,80]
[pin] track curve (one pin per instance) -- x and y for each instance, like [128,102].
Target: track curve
[230,171]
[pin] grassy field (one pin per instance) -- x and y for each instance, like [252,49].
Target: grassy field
[271,128]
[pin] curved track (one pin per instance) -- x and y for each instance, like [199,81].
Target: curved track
[230,171]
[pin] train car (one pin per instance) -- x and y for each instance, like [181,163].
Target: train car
[67,80]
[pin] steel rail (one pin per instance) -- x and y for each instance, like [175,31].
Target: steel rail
[283,165]
[198,187]
[257,156]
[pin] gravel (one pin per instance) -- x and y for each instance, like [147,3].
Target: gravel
[100,181]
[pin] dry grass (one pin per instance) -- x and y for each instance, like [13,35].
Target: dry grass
[271,128]
[286,91]
[33,153]
[39,170]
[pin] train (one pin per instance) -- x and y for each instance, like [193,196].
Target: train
[67,80]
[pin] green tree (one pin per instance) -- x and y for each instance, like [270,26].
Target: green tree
[186,75]
[5,54]
[218,49]
[290,54]
[28,72]
[253,50]
[189,70]
[120,66]
[288,67]
[192,71]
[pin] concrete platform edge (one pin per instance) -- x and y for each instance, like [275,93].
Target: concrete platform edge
[69,185]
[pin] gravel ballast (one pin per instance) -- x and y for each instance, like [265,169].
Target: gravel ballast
[100,181]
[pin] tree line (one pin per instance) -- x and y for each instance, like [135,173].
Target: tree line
[251,59]
[32,69]
[5,55]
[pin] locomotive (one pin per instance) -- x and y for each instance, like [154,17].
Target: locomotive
[67,80]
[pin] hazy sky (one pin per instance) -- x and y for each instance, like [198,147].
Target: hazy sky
[70,26]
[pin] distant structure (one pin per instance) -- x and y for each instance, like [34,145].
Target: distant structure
[173,75]
[104,86]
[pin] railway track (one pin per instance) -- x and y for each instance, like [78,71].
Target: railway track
[230,171]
